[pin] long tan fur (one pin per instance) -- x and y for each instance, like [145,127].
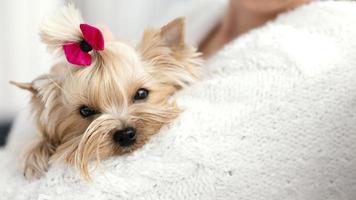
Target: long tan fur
[161,63]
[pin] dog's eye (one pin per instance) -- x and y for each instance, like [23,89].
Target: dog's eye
[141,94]
[85,111]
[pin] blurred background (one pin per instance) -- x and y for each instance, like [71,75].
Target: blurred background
[23,57]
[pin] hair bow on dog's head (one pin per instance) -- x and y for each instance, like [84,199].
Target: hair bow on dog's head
[77,53]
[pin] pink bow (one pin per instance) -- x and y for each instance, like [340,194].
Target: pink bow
[77,53]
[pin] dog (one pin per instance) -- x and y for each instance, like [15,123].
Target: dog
[110,97]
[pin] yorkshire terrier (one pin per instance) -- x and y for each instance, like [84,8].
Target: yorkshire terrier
[111,98]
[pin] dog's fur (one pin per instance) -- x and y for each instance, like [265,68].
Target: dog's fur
[161,63]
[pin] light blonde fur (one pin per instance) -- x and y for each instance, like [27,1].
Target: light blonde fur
[161,63]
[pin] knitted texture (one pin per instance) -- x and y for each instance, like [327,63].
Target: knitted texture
[274,120]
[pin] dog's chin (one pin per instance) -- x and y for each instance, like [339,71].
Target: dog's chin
[98,147]
[126,150]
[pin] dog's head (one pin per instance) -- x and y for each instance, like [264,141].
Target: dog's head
[118,102]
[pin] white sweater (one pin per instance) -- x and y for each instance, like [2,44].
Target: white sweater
[276,120]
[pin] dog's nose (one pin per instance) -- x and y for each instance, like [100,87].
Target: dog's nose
[125,137]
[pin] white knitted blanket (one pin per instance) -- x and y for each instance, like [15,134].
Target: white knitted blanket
[276,120]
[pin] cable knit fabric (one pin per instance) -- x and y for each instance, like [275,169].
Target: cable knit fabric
[274,120]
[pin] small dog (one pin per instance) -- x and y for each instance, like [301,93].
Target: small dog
[111,98]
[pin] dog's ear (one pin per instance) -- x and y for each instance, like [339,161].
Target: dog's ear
[42,85]
[170,35]
[173,33]
[169,59]
[24,86]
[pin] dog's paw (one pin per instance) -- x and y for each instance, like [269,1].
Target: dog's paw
[34,172]
[37,159]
